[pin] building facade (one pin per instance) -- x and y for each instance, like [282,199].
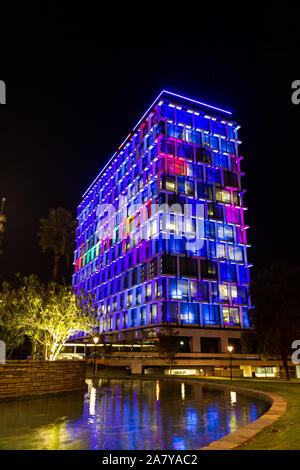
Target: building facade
[161,237]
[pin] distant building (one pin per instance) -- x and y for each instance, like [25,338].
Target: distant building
[161,237]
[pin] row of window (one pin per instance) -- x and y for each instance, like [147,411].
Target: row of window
[115,260]
[167,165]
[135,171]
[148,133]
[172,288]
[182,313]
[198,121]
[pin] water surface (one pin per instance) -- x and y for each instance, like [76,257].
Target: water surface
[127,414]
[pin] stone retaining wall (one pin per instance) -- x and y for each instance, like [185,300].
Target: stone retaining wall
[34,378]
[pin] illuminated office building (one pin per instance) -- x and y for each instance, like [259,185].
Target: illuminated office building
[161,237]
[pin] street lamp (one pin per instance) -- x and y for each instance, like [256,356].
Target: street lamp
[230,349]
[95,341]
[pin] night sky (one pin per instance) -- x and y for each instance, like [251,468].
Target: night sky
[75,89]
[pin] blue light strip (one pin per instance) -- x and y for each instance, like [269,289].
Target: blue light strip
[143,117]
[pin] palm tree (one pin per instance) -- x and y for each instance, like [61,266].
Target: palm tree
[57,233]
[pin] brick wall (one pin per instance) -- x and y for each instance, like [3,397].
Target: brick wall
[33,378]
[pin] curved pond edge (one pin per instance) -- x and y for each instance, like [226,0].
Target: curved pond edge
[245,433]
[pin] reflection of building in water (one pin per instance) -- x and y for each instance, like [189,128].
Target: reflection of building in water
[197,392]
[183,391]
[233,397]
[157,390]
[126,415]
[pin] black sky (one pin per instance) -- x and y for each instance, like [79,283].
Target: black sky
[77,84]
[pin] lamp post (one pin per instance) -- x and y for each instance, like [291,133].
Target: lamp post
[230,349]
[95,341]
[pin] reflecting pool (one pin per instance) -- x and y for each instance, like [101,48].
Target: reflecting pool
[127,414]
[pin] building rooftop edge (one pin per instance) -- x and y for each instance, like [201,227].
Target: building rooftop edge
[163,92]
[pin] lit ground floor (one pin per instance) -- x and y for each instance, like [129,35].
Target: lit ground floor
[190,340]
[201,351]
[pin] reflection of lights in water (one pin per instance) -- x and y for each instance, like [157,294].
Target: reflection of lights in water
[182,391]
[89,382]
[92,401]
[157,390]
[232,398]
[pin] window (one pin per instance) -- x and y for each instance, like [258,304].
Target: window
[167,112]
[243,275]
[129,299]
[220,292]
[170,312]
[246,319]
[227,146]
[134,277]
[199,290]
[233,215]
[204,190]
[189,225]
[211,141]
[176,245]
[203,155]
[153,268]
[133,317]
[225,233]
[239,295]
[193,136]
[169,183]
[143,273]
[214,211]
[168,146]
[160,288]
[184,117]
[220,160]
[189,188]
[138,293]
[185,151]
[177,132]
[178,288]
[228,272]
[213,175]
[217,250]
[188,267]
[175,165]
[153,313]
[209,229]
[235,253]
[218,128]
[210,314]
[222,195]
[143,315]
[189,313]
[230,179]
[169,265]
[210,345]
[194,170]
[235,198]
[209,270]
[231,316]
[168,222]
[202,122]
[148,291]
